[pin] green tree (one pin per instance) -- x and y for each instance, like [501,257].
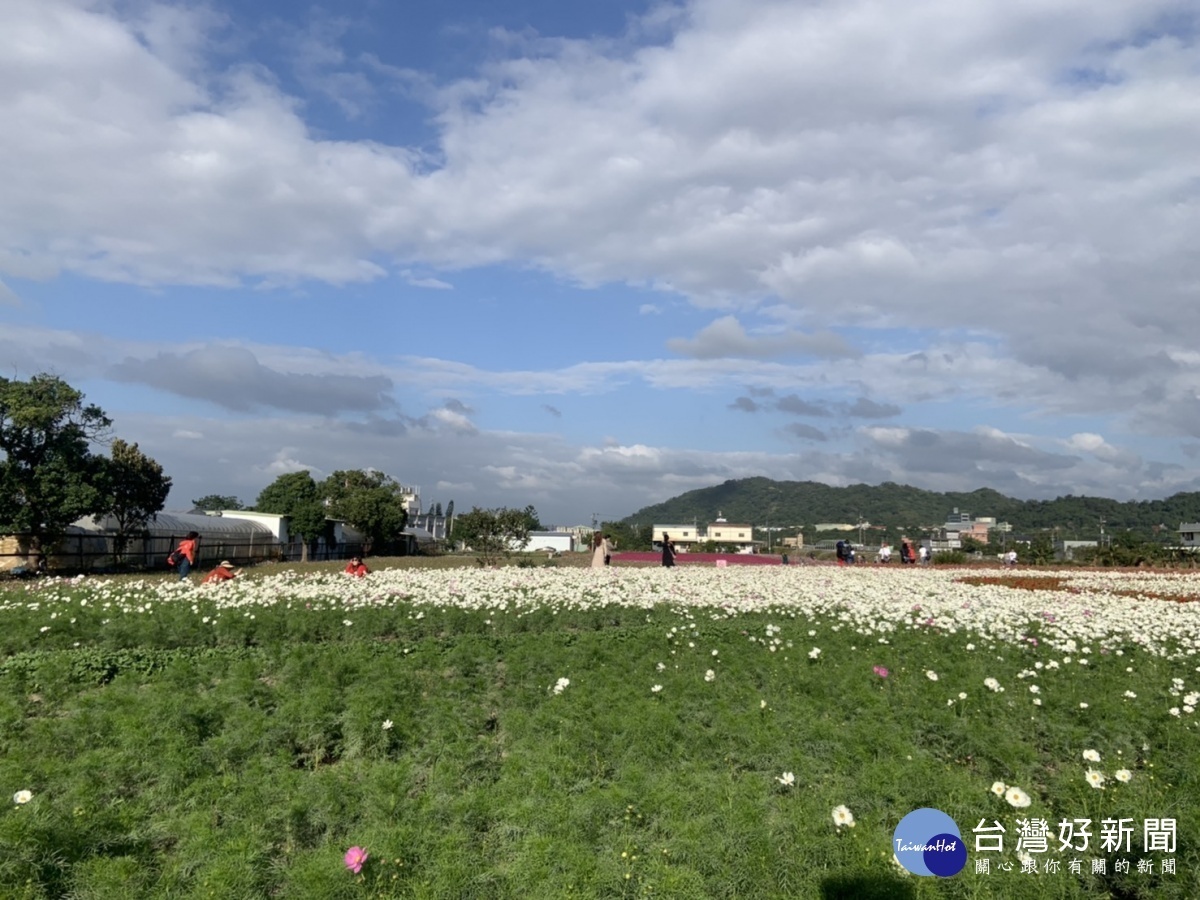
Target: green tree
[213,502]
[368,501]
[49,476]
[296,496]
[532,522]
[626,536]
[972,545]
[135,491]
[492,533]
[1041,550]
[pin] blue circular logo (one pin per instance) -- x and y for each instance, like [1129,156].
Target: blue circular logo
[928,842]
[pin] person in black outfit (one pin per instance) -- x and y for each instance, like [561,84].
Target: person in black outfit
[668,551]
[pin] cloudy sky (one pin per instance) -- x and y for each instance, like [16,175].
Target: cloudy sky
[590,256]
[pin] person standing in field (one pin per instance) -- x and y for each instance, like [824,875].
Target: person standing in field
[600,550]
[185,554]
[668,551]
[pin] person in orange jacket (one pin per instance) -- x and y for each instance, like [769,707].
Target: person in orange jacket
[184,555]
[224,572]
[357,567]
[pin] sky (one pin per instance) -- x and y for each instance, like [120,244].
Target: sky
[591,256]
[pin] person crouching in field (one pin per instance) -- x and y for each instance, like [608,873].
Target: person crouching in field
[357,567]
[224,572]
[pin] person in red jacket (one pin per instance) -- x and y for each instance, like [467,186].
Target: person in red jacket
[224,572]
[357,567]
[185,554]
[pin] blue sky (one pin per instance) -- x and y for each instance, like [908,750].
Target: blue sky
[590,256]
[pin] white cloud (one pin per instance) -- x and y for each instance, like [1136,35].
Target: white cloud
[1007,191]
[726,337]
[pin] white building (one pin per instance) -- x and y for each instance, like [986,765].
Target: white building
[738,535]
[685,537]
[551,541]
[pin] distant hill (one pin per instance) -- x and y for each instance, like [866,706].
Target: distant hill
[790,503]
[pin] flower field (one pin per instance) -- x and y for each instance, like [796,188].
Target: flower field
[701,732]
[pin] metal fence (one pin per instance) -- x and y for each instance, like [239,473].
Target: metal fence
[97,553]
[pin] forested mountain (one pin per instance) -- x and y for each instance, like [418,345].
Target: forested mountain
[760,501]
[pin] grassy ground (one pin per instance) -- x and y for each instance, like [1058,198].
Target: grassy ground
[198,750]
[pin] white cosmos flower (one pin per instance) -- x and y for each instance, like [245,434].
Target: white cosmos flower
[931,675]
[998,788]
[1091,756]
[843,816]
[814,652]
[710,675]
[387,724]
[22,797]
[1123,775]
[1017,797]
[1095,778]
[787,779]
[656,689]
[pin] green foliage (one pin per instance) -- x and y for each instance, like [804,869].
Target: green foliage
[1041,550]
[213,502]
[972,545]
[134,491]
[296,495]
[493,534]
[532,522]
[48,476]
[949,558]
[902,507]
[248,771]
[627,536]
[369,501]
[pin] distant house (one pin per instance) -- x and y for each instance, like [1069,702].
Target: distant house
[1189,534]
[961,525]
[685,536]
[736,534]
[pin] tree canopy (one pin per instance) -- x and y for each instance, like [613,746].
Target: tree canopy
[493,533]
[213,502]
[134,491]
[297,496]
[368,501]
[49,476]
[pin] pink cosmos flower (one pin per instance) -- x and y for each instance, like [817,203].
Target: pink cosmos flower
[880,671]
[355,857]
